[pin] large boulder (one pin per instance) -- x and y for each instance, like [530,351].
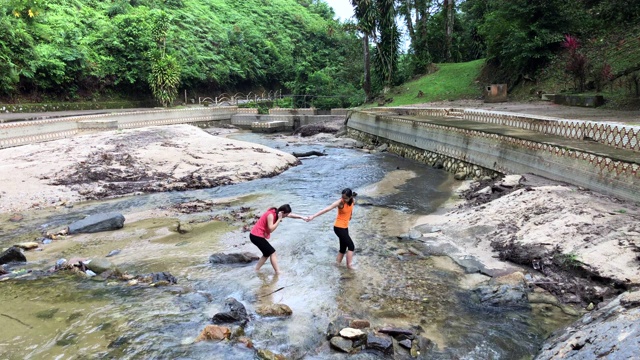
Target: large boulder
[12,254]
[97,223]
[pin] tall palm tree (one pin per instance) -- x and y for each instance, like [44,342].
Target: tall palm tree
[364,11]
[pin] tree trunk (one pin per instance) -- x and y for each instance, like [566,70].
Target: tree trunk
[367,67]
[449,11]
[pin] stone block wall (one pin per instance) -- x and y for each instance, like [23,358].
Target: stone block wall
[462,169]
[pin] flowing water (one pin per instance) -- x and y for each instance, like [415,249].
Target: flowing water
[70,317]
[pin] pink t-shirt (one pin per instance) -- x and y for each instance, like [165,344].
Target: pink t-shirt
[261,228]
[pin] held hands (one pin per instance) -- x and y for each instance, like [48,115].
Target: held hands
[308,218]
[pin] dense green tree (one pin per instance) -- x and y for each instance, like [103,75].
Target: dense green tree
[81,47]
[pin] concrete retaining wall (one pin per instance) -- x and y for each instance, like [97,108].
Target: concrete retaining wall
[26,132]
[505,154]
[292,121]
[623,136]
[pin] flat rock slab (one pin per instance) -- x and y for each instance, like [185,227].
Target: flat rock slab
[97,223]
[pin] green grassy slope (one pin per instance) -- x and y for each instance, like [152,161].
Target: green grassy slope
[450,81]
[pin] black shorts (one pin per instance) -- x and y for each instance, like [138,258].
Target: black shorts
[263,245]
[345,239]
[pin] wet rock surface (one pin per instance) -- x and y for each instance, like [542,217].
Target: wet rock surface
[611,332]
[97,223]
[236,313]
[233,258]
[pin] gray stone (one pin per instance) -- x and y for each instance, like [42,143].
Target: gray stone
[342,344]
[97,223]
[233,258]
[236,313]
[12,254]
[503,295]
[334,327]
[100,265]
[380,344]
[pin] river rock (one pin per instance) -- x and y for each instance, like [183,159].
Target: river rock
[383,345]
[610,332]
[460,175]
[99,265]
[351,333]
[337,324]
[503,295]
[184,227]
[406,343]
[27,245]
[510,181]
[233,258]
[274,310]
[97,223]
[359,324]
[342,344]
[12,254]
[214,332]
[236,313]
[16,218]
[158,279]
[246,341]
[268,355]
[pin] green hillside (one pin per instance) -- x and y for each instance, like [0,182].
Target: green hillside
[78,49]
[449,81]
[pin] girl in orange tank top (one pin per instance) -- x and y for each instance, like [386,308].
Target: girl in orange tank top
[341,226]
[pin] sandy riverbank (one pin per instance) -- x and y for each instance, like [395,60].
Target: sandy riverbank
[117,163]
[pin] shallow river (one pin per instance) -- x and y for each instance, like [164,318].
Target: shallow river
[69,317]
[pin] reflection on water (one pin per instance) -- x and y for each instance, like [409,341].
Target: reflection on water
[72,317]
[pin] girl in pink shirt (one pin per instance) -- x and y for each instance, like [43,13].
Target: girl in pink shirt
[262,230]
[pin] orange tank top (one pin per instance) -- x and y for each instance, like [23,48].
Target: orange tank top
[344,215]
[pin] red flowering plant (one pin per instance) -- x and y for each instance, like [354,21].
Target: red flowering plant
[577,63]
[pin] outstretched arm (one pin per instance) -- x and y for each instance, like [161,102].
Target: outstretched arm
[296,216]
[327,209]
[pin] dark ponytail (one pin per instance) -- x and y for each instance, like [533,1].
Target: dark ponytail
[350,194]
[284,208]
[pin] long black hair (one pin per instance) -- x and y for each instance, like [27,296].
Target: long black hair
[350,194]
[284,208]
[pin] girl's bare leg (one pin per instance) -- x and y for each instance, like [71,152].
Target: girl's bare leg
[339,258]
[349,259]
[260,263]
[274,263]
